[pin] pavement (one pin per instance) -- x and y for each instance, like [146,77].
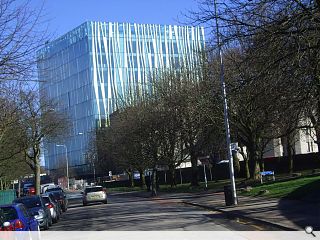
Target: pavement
[283,214]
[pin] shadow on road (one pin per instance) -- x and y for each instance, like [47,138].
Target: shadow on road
[123,214]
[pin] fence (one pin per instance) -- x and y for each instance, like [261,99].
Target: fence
[7,196]
[279,165]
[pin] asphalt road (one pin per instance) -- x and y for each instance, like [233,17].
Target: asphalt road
[125,212]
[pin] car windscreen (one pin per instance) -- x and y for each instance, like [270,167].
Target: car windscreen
[52,198]
[46,199]
[57,195]
[9,213]
[93,189]
[29,202]
[54,190]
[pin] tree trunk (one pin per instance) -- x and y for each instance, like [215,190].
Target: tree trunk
[37,169]
[246,162]
[261,161]
[131,180]
[261,164]
[254,164]
[154,183]
[142,178]
[172,172]
[194,166]
[247,170]
[290,157]
[19,188]
[318,142]
[256,170]
[236,162]
[37,175]
[315,119]
[318,4]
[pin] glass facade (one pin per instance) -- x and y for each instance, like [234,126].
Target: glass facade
[92,68]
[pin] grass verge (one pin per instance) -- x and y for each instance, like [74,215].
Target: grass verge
[300,188]
[124,189]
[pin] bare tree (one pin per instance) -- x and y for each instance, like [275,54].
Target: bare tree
[21,33]
[40,120]
[276,64]
[10,143]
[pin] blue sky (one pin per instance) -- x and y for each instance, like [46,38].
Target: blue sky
[64,15]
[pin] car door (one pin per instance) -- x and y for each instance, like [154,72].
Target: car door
[31,221]
[46,210]
[55,203]
[64,197]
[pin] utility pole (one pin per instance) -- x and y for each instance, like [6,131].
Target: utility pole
[67,162]
[225,110]
[94,172]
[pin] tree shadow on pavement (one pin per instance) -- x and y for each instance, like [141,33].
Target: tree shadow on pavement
[302,206]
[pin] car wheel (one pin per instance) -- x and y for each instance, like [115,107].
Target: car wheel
[46,227]
[105,202]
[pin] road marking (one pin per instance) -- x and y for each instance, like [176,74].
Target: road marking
[242,222]
[257,227]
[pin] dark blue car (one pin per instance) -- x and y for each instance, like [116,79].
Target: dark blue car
[36,206]
[19,218]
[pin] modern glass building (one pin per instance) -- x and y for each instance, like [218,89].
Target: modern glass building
[92,68]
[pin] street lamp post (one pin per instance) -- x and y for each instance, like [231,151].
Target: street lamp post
[83,154]
[225,109]
[94,172]
[92,162]
[63,145]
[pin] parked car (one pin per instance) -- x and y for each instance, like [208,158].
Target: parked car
[44,187]
[2,219]
[54,189]
[29,189]
[36,206]
[94,194]
[59,196]
[16,217]
[52,197]
[53,206]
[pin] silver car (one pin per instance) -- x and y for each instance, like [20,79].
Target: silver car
[53,206]
[94,194]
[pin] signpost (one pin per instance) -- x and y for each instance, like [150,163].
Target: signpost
[266,174]
[204,162]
